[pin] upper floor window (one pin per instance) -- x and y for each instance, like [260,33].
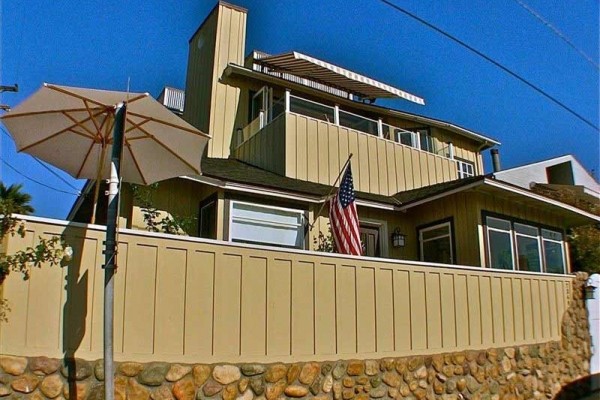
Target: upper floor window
[260,224]
[425,140]
[524,246]
[465,168]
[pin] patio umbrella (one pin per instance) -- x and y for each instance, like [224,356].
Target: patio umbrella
[71,128]
[74,129]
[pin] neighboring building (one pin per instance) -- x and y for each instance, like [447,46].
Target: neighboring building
[564,170]
[173,99]
[282,127]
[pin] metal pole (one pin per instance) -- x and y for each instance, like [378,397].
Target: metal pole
[110,252]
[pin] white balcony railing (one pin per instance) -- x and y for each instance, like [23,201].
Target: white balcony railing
[335,115]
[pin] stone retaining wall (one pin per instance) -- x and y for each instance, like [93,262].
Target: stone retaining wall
[526,372]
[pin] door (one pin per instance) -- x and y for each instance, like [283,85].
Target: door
[369,238]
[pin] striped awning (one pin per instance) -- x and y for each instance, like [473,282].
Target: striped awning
[320,71]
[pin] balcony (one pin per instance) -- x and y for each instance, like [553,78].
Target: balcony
[182,299]
[303,139]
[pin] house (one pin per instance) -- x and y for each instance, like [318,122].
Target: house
[476,300]
[282,127]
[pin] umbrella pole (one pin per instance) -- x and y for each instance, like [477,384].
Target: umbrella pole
[97,185]
[111,250]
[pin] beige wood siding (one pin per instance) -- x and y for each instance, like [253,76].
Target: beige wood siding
[211,105]
[182,300]
[317,150]
[265,149]
[465,209]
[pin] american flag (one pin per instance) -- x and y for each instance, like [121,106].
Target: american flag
[344,218]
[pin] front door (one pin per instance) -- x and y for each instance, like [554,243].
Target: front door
[369,238]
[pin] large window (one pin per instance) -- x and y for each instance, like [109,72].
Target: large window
[436,243]
[523,246]
[254,223]
[426,140]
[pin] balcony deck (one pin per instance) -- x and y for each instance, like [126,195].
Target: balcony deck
[183,299]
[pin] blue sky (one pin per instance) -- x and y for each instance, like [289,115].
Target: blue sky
[103,44]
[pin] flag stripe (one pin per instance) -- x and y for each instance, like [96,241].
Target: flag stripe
[344,217]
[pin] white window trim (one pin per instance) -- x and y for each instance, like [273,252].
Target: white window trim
[302,213]
[429,228]
[514,243]
[459,165]
[539,245]
[560,242]
[511,236]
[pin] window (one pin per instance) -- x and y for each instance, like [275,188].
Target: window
[436,243]
[426,140]
[553,251]
[406,137]
[260,224]
[500,243]
[524,246]
[528,248]
[465,168]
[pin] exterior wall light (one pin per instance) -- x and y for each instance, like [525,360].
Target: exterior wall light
[398,238]
[590,291]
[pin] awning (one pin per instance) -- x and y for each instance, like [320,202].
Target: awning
[320,71]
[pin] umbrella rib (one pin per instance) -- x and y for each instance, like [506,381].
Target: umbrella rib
[87,154]
[26,114]
[80,123]
[80,97]
[171,151]
[87,107]
[183,128]
[135,162]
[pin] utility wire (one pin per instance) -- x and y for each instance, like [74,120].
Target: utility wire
[46,166]
[556,32]
[36,181]
[496,63]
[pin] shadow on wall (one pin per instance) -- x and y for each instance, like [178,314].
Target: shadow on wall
[75,308]
[586,388]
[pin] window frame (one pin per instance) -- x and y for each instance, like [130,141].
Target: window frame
[434,225]
[514,244]
[301,226]
[459,163]
[212,199]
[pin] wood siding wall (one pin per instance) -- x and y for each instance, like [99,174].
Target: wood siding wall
[185,300]
[211,105]
[316,151]
[266,149]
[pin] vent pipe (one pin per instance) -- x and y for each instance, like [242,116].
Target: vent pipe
[495,160]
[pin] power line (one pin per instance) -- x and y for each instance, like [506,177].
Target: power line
[494,62]
[46,166]
[36,181]
[558,33]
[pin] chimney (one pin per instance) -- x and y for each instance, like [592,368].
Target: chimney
[495,160]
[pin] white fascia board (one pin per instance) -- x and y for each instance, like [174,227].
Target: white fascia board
[541,198]
[441,195]
[239,187]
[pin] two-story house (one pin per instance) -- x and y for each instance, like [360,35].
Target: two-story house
[283,126]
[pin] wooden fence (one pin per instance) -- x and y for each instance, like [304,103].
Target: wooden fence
[190,300]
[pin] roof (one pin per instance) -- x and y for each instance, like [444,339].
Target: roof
[321,71]
[237,171]
[233,71]
[231,170]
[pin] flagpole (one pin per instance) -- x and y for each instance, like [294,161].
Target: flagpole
[330,191]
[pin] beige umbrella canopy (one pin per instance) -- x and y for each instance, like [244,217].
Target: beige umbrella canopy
[71,128]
